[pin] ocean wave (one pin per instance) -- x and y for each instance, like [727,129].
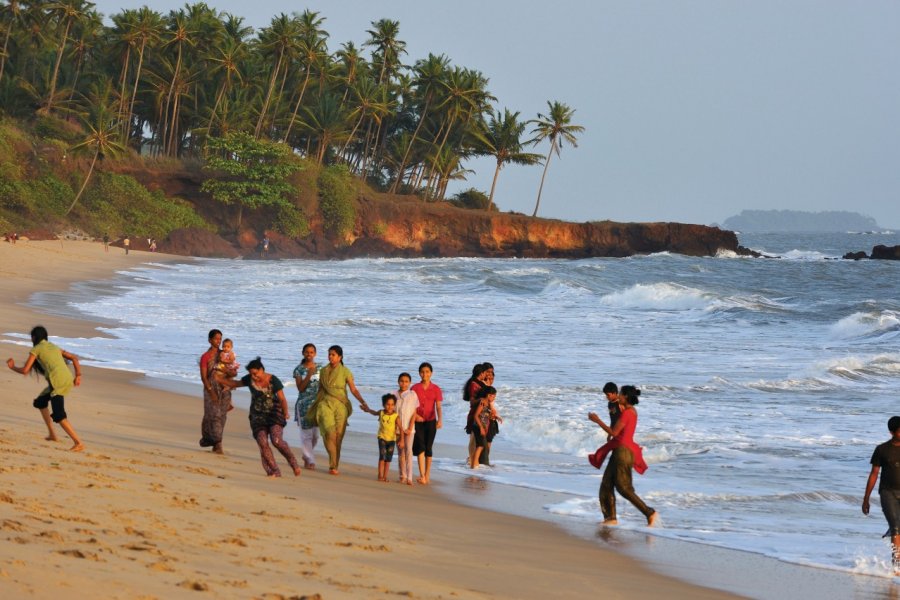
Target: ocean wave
[659,296]
[858,369]
[866,325]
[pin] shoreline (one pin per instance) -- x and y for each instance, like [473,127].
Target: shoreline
[452,495]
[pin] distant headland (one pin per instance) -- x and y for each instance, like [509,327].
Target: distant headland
[795,221]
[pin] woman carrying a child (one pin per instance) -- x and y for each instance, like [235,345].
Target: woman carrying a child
[332,408]
[216,397]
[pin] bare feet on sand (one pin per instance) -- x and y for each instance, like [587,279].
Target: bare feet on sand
[653,519]
[51,438]
[309,465]
[333,472]
[610,522]
[77,447]
[422,481]
[297,472]
[217,449]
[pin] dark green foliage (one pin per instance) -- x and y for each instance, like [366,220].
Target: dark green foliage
[291,221]
[247,172]
[337,200]
[53,128]
[119,204]
[40,198]
[472,198]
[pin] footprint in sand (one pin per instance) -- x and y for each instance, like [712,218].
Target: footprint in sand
[80,554]
[197,586]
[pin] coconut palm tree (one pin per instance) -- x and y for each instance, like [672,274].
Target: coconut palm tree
[502,139]
[278,40]
[66,13]
[103,128]
[326,123]
[388,48]
[556,126]
[146,30]
[13,15]
[429,74]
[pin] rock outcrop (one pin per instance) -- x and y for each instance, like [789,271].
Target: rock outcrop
[879,252]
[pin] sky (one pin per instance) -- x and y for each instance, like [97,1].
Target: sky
[693,110]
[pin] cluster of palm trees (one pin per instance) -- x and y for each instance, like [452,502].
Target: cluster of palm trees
[164,84]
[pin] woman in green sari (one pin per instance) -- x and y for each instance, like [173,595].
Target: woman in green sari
[332,407]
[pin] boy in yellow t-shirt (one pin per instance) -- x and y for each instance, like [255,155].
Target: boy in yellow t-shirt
[387,433]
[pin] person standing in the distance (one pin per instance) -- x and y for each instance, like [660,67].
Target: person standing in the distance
[886,459]
[216,397]
[50,361]
[306,376]
[332,408]
[106,241]
[126,243]
[429,412]
[626,455]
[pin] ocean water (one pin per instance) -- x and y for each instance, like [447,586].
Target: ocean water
[766,382]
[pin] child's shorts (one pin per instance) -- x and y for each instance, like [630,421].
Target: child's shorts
[386,450]
[57,406]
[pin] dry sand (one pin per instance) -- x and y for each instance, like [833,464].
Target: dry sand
[143,512]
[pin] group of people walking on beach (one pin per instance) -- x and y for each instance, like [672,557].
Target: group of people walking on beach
[408,420]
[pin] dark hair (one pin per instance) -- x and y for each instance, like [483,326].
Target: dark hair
[610,388]
[894,424]
[487,366]
[404,374]
[226,340]
[387,397]
[38,335]
[256,363]
[426,364]
[477,370]
[486,391]
[631,394]
[337,350]
[212,334]
[305,346]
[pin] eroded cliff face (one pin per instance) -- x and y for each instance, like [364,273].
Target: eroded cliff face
[402,226]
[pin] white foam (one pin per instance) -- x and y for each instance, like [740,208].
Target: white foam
[659,296]
[866,324]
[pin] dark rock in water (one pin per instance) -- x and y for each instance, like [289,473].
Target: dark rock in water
[744,251]
[886,252]
[197,242]
[856,255]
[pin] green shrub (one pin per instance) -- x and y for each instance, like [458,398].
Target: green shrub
[54,128]
[472,198]
[50,195]
[337,200]
[15,195]
[291,221]
[119,204]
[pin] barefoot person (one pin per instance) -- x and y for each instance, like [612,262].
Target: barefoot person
[216,397]
[50,360]
[626,454]
[332,408]
[886,459]
[306,376]
[268,415]
[429,411]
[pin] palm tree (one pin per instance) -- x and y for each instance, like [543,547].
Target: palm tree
[383,37]
[502,139]
[15,13]
[103,133]
[326,123]
[556,126]
[67,12]
[279,40]
[314,52]
[428,76]
[147,29]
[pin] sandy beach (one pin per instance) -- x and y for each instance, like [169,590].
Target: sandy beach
[144,512]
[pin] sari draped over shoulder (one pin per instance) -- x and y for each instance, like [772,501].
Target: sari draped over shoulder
[215,407]
[625,439]
[331,399]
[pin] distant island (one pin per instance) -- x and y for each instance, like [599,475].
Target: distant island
[764,221]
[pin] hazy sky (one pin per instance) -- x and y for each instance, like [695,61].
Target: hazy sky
[694,110]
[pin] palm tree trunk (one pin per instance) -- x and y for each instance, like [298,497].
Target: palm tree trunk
[265,106]
[122,97]
[137,79]
[59,55]
[84,183]
[494,185]
[541,188]
[297,106]
[412,142]
[5,46]
[353,133]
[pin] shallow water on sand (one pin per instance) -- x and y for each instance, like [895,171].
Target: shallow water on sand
[766,383]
